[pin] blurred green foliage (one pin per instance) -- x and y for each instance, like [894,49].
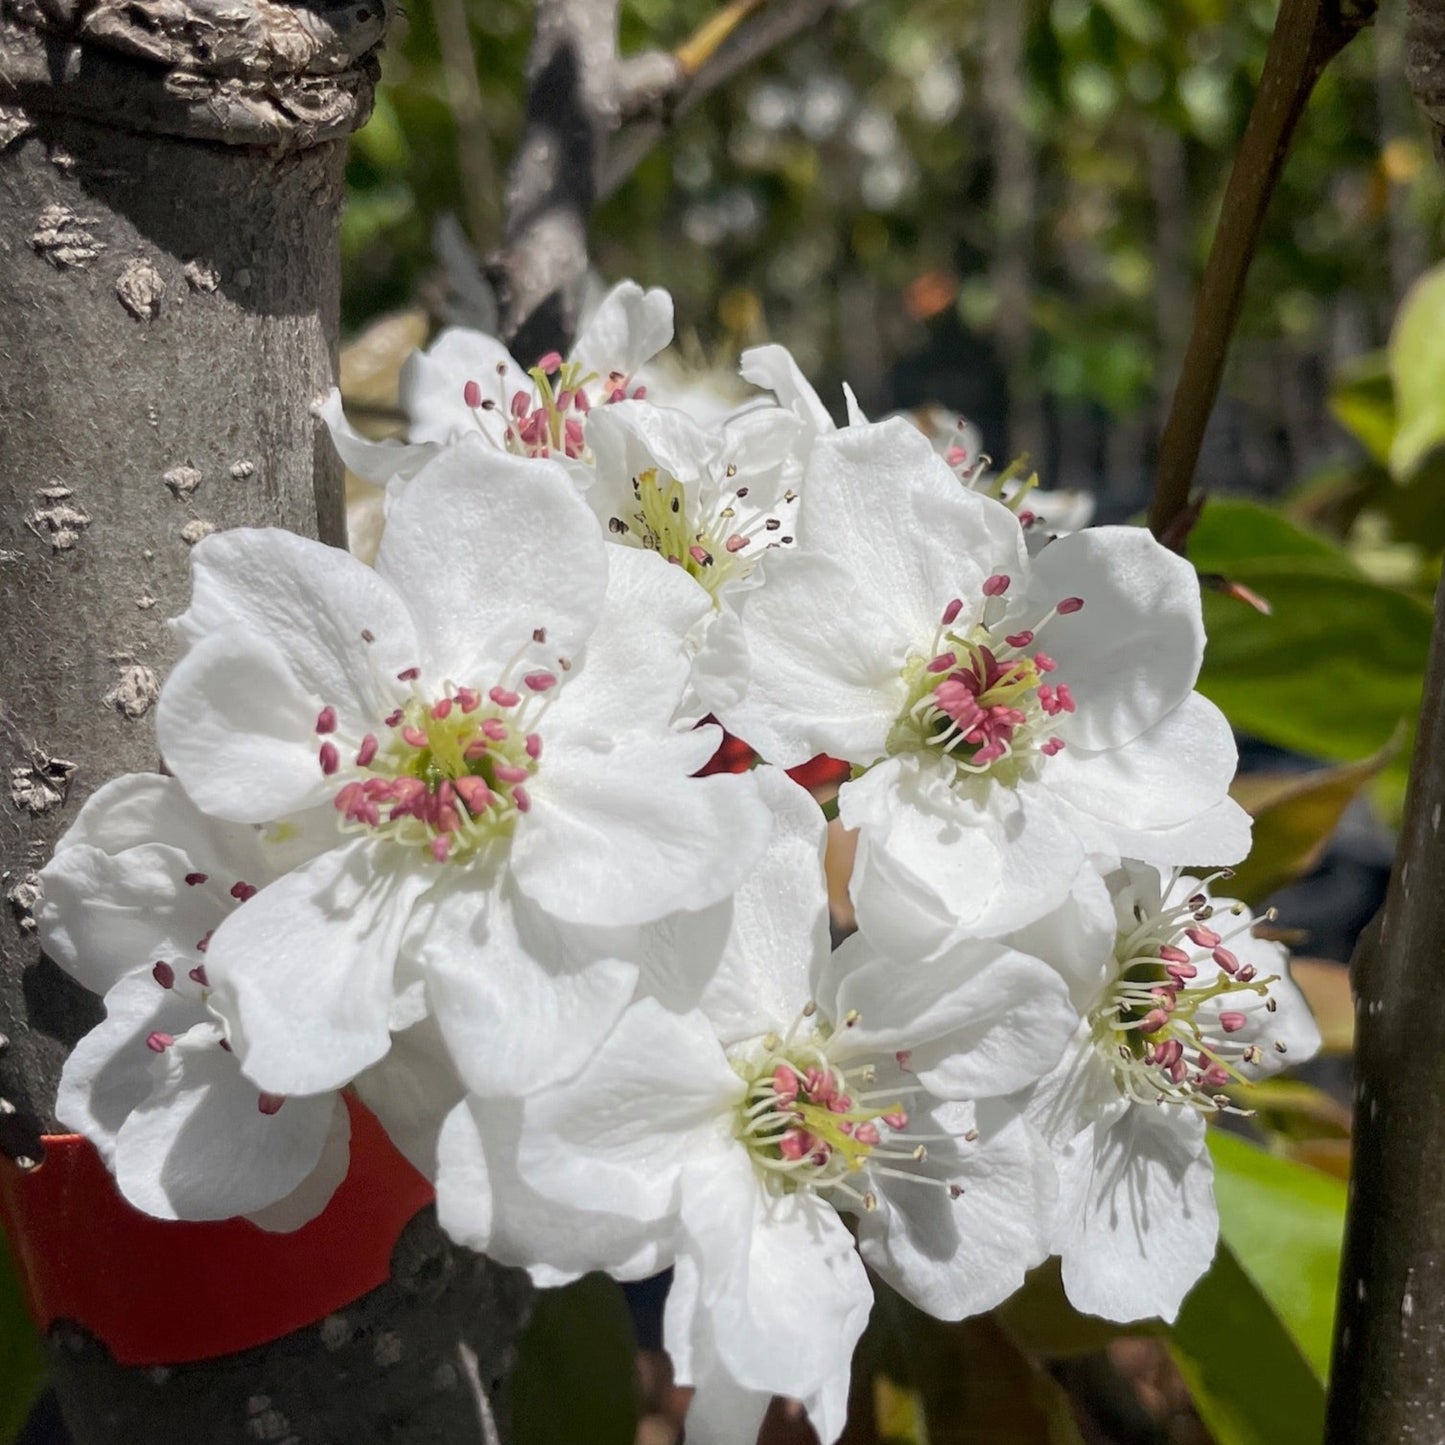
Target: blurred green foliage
[574,1374]
[840,196]
[22,1358]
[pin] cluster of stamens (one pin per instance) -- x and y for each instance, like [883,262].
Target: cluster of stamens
[1149,1023]
[445,773]
[809,1123]
[192,984]
[714,543]
[549,420]
[979,696]
[1011,486]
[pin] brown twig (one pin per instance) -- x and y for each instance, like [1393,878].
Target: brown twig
[738,36]
[1307,35]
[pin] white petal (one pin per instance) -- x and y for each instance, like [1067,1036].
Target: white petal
[988,857]
[303,972]
[139,808]
[621,833]
[486,549]
[513,1018]
[484,1204]
[817,683]
[373,461]
[411,1091]
[629,437]
[881,502]
[110,1071]
[433,385]
[1132,654]
[199,1146]
[237,729]
[657,1093]
[773,368]
[1076,938]
[312,603]
[629,328]
[1177,769]
[720,665]
[634,669]
[1078,1093]
[721,1411]
[980,1020]
[779,938]
[779,1275]
[313,1194]
[104,916]
[1147,1227]
[115,894]
[958,1257]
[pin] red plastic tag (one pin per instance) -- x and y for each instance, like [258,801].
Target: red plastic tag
[162,1292]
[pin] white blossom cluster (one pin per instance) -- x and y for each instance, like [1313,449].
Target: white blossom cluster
[434,832]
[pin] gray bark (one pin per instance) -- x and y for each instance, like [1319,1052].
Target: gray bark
[1385,1380]
[578,90]
[417,1361]
[571,106]
[170,192]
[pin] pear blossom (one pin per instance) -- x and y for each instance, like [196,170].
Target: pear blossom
[1181,1003]
[468,384]
[711,503]
[1044,515]
[1006,716]
[773,368]
[732,1139]
[137,887]
[478,739]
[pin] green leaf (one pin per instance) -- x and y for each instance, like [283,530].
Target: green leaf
[1249,1381]
[1339,662]
[1295,815]
[1040,1318]
[1417,367]
[576,1367]
[22,1357]
[976,1384]
[1362,400]
[1231,534]
[1284,1223]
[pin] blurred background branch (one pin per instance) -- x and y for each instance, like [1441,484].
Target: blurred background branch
[1307,36]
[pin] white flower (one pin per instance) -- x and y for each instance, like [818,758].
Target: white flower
[731,1139]
[132,896]
[480,733]
[773,368]
[1008,716]
[1044,515]
[468,384]
[1181,1003]
[713,504]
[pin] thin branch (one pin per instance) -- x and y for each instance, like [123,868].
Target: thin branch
[580,90]
[738,36]
[571,105]
[1307,35]
[476,161]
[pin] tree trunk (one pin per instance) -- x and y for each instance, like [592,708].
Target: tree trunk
[170,193]
[1386,1383]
